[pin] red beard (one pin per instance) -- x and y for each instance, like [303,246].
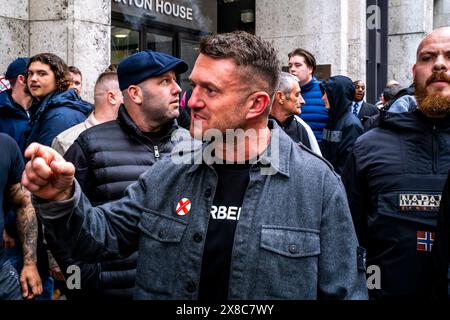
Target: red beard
[435,105]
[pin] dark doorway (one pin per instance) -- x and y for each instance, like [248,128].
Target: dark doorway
[236,15]
[377,48]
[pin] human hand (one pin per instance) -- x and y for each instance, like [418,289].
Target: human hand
[47,175]
[30,281]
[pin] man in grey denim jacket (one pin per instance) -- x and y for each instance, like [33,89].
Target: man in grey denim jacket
[294,238]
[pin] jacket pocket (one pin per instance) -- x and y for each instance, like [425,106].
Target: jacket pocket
[290,242]
[162,228]
[160,255]
[419,207]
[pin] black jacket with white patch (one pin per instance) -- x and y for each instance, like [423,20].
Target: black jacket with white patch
[394,180]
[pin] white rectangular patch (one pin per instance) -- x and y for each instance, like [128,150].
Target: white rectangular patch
[419,202]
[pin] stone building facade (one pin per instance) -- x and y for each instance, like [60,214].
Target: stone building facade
[335,31]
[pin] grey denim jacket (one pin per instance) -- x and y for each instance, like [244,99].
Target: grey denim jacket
[295,238]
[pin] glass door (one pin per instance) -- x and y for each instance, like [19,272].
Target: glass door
[189,50]
[159,42]
[124,42]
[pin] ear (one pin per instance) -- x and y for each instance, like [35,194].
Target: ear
[279,96]
[111,97]
[135,94]
[414,71]
[259,102]
[21,79]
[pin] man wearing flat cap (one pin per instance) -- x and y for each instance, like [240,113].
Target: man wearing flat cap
[112,155]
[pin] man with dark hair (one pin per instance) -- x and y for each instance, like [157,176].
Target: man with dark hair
[396,173]
[76,79]
[302,64]
[389,93]
[57,107]
[286,107]
[361,109]
[15,102]
[208,229]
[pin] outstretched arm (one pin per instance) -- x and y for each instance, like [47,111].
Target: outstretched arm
[28,232]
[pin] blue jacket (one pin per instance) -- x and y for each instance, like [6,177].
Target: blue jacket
[13,119]
[58,111]
[314,112]
[285,247]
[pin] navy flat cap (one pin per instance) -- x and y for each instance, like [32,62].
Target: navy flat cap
[16,68]
[145,64]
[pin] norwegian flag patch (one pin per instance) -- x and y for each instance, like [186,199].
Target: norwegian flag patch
[425,241]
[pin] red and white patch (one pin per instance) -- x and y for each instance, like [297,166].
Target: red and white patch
[183,207]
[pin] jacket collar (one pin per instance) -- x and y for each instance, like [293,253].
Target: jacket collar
[275,159]
[128,123]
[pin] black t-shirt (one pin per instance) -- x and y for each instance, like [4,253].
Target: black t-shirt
[225,213]
[11,168]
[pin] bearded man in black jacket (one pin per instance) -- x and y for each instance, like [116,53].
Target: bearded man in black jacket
[395,176]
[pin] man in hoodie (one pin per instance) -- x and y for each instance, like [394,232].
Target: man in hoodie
[396,173]
[343,127]
[302,64]
[56,108]
[15,102]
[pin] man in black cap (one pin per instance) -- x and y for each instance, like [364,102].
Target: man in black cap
[15,102]
[112,155]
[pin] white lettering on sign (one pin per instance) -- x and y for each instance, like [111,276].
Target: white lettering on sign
[161,7]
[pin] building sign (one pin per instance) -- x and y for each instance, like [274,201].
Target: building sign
[199,15]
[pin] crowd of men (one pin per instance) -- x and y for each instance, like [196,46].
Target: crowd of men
[275,186]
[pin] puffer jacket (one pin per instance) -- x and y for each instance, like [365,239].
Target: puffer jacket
[13,119]
[314,112]
[109,157]
[57,112]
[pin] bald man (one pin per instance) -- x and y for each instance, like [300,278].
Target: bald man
[107,100]
[395,176]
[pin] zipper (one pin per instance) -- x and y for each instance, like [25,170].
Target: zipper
[435,150]
[155,148]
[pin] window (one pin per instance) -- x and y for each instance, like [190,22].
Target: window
[124,42]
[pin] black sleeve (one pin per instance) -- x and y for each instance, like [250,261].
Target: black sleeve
[349,136]
[358,198]
[76,155]
[304,138]
[16,160]
[441,247]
